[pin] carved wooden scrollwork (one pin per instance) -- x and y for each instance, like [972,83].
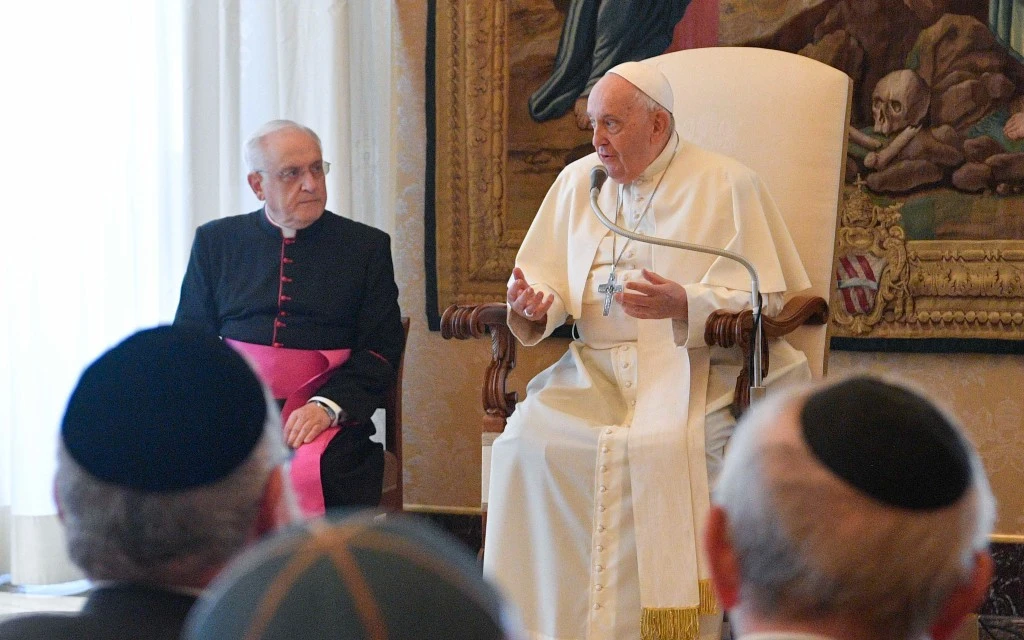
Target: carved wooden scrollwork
[464,322]
[474,321]
[727,329]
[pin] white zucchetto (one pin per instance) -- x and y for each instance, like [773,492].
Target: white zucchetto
[647,79]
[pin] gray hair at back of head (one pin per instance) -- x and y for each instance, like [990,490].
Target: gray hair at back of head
[254,159]
[647,102]
[116,533]
[651,106]
[810,546]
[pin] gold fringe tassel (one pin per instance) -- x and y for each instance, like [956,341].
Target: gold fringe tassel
[669,624]
[708,602]
[678,624]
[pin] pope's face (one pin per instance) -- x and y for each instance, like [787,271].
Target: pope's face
[626,134]
[291,182]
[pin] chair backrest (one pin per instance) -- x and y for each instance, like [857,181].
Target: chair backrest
[393,494]
[785,116]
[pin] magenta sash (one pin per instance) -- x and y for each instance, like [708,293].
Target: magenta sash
[295,375]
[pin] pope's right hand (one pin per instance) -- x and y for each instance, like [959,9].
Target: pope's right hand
[525,301]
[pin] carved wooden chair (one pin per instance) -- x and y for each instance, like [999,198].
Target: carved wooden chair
[392,497]
[783,115]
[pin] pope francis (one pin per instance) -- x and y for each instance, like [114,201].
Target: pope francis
[601,479]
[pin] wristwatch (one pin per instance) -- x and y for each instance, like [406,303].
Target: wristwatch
[328,408]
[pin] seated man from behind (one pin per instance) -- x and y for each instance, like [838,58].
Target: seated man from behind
[311,298]
[360,577]
[855,510]
[169,464]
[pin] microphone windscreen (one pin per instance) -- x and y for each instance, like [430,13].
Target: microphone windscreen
[597,177]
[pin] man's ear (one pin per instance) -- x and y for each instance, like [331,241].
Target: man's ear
[965,598]
[256,183]
[722,560]
[662,122]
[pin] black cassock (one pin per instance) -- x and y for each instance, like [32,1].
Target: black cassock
[112,612]
[332,286]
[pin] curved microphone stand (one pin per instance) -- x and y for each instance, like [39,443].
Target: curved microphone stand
[598,175]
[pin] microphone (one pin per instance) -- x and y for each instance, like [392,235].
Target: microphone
[598,175]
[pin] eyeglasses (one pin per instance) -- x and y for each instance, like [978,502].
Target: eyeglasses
[291,174]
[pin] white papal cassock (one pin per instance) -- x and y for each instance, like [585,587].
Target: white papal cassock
[599,484]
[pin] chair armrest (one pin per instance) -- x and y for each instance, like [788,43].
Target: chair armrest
[727,329]
[798,311]
[723,328]
[462,322]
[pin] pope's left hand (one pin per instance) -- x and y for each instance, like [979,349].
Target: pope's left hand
[656,298]
[305,424]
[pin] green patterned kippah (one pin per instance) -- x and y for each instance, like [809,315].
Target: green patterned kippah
[354,578]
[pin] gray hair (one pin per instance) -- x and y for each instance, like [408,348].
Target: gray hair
[254,149]
[651,106]
[176,537]
[810,546]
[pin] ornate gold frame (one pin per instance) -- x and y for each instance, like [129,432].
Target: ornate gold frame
[933,288]
[476,245]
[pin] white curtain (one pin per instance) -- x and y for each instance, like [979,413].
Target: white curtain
[326,64]
[125,122]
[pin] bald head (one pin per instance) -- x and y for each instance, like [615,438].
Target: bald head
[816,542]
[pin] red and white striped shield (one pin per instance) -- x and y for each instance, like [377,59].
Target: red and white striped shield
[857,277]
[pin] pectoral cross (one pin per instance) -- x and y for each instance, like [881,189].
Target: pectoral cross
[609,290]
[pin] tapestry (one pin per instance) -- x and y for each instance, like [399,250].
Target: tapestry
[931,241]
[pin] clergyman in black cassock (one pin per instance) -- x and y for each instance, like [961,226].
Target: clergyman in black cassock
[292,277]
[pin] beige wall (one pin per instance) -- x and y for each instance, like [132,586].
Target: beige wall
[985,392]
[442,384]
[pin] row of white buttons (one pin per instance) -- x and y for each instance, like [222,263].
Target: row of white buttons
[601,528]
[626,361]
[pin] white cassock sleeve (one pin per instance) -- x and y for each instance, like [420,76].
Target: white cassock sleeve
[702,300]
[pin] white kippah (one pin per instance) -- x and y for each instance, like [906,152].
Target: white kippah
[647,79]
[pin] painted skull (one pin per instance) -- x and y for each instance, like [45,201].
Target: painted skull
[900,100]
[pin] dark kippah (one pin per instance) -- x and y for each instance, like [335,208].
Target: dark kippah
[888,442]
[354,578]
[169,408]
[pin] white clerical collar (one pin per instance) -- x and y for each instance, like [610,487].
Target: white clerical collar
[285,231]
[660,163]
